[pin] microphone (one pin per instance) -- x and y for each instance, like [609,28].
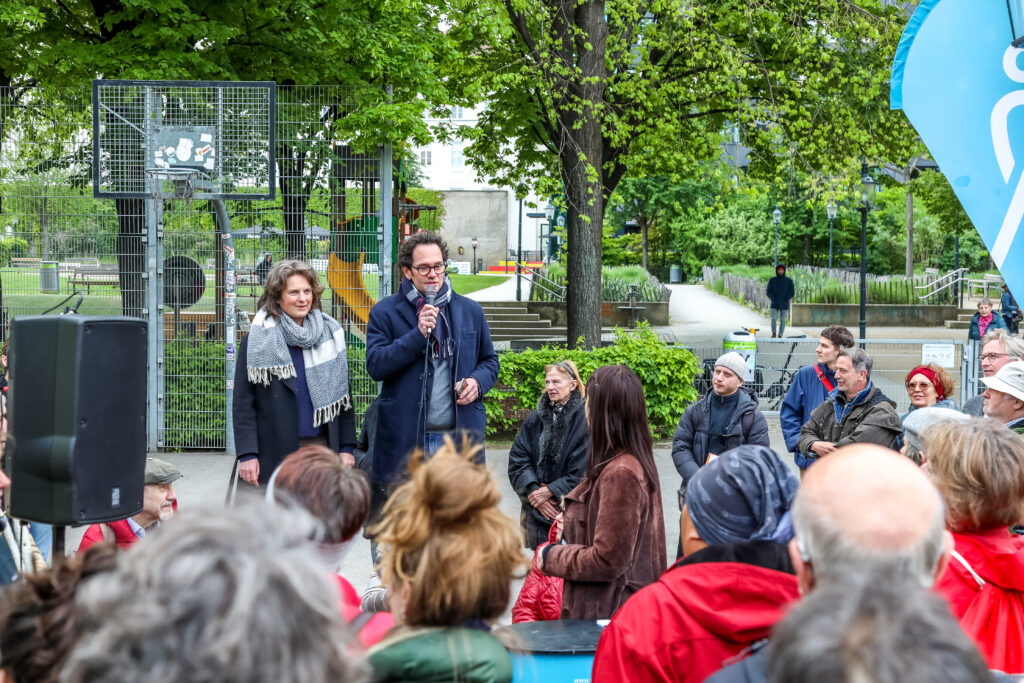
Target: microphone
[430,293]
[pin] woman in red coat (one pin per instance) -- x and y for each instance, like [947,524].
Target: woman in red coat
[978,466]
[614,527]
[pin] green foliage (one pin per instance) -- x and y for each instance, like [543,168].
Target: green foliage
[11,247]
[667,373]
[615,283]
[435,198]
[194,395]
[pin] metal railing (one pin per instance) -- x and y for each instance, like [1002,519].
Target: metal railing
[950,279]
[544,283]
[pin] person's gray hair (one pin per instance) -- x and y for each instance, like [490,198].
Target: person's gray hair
[859,358]
[1013,345]
[217,594]
[877,628]
[833,552]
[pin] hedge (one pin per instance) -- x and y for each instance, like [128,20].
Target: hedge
[667,374]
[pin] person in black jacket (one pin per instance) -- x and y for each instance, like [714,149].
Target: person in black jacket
[549,456]
[291,378]
[780,291]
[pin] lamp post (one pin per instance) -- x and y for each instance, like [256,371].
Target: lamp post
[776,218]
[1016,10]
[832,210]
[867,194]
[475,242]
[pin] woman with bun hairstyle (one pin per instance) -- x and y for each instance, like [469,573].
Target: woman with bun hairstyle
[449,555]
[549,456]
[614,528]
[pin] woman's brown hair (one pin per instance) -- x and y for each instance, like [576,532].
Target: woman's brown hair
[331,491]
[37,615]
[945,380]
[978,467]
[445,538]
[617,414]
[277,280]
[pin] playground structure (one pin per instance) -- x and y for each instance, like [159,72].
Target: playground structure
[326,205]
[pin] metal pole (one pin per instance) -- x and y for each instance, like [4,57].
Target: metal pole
[776,261]
[474,260]
[958,293]
[831,221]
[519,256]
[863,272]
[385,229]
[227,243]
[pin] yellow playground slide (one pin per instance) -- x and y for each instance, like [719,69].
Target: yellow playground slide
[346,280]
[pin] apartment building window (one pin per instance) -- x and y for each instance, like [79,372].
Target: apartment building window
[457,113]
[425,157]
[458,157]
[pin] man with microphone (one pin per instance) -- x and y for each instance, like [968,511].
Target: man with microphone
[431,351]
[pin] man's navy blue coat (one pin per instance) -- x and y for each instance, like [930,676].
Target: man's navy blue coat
[395,352]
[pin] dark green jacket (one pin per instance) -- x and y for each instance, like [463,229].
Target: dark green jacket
[433,655]
[872,420]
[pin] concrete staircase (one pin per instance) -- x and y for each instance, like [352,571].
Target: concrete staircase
[510,321]
[963,319]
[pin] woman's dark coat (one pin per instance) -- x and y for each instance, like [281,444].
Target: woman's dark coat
[266,420]
[570,462]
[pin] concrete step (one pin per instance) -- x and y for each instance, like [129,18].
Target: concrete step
[512,317]
[958,324]
[518,325]
[964,317]
[548,333]
[487,305]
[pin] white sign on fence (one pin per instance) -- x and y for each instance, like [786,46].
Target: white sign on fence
[461,267]
[940,354]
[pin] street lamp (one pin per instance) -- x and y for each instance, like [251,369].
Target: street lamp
[832,210]
[475,242]
[867,195]
[777,218]
[1016,11]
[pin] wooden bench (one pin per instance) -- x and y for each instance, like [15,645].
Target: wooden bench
[73,265]
[87,276]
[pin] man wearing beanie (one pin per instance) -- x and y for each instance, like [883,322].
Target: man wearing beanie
[725,418]
[734,582]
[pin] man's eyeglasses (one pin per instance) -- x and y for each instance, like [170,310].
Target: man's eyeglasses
[425,270]
[992,356]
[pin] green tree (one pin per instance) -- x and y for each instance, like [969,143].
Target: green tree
[579,92]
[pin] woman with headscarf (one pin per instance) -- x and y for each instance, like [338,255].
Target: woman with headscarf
[291,377]
[549,456]
[732,585]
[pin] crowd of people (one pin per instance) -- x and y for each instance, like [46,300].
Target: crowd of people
[891,547]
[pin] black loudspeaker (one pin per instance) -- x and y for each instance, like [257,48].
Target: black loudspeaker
[77,413]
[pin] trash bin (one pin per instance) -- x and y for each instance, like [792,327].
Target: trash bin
[675,274]
[553,651]
[745,344]
[48,279]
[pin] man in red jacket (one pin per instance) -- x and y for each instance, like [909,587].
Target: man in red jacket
[159,503]
[733,583]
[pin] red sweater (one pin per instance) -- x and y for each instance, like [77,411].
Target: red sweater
[990,607]
[706,609]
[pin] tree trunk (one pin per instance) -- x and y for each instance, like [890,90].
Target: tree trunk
[910,232]
[131,254]
[643,239]
[582,158]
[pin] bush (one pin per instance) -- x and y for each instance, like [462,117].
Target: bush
[194,395]
[11,247]
[667,373]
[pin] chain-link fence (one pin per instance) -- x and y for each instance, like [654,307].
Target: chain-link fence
[59,243]
[776,361]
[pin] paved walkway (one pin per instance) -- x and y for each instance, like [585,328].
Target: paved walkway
[506,291]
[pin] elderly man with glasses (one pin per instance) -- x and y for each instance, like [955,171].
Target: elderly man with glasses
[997,349]
[431,351]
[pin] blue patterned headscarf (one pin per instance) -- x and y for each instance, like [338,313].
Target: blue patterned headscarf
[741,496]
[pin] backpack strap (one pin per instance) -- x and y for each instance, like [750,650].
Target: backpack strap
[960,558]
[823,379]
[360,620]
[746,423]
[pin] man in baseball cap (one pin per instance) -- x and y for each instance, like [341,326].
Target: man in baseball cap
[159,503]
[1004,398]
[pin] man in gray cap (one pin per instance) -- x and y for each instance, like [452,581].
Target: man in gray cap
[1004,398]
[725,418]
[159,503]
